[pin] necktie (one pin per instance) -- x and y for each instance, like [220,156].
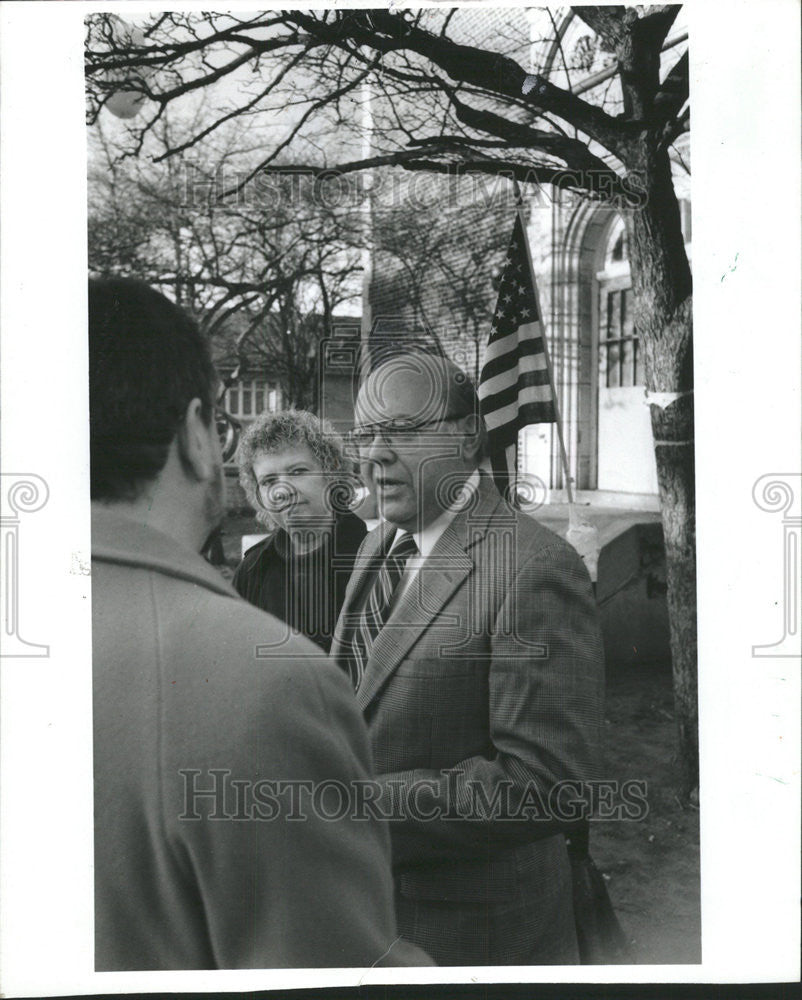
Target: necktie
[379,604]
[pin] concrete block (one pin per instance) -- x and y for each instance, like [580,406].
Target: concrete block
[631,592]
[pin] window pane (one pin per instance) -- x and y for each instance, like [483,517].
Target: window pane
[602,364]
[613,376]
[246,402]
[233,400]
[259,401]
[614,314]
[272,401]
[640,375]
[627,313]
[627,362]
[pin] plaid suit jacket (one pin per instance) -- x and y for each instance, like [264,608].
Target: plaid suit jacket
[483,693]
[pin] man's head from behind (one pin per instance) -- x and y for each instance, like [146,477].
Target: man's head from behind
[418,424]
[151,397]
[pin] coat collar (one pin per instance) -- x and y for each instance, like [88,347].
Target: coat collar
[447,566]
[118,539]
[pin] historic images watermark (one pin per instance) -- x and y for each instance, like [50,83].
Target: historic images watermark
[217,794]
[338,190]
[781,492]
[20,493]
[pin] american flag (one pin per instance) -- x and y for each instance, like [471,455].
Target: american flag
[515,386]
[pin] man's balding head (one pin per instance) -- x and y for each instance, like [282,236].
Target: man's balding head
[431,387]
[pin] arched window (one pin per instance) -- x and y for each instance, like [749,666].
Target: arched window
[620,362]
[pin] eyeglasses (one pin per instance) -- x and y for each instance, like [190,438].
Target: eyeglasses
[228,431]
[393,432]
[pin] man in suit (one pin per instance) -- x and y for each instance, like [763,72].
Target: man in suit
[197,862]
[472,639]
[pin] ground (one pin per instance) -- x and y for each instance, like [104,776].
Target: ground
[650,866]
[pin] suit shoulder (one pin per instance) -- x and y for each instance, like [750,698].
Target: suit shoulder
[537,544]
[535,537]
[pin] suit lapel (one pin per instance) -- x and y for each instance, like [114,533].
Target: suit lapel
[447,566]
[366,563]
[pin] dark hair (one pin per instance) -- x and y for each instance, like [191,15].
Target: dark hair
[147,361]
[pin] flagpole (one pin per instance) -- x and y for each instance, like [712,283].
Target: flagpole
[556,403]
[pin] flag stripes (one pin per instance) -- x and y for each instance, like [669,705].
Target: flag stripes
[526,344]
[515,386]
[532,370]
[535,410]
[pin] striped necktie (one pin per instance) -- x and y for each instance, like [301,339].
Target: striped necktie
[379,604]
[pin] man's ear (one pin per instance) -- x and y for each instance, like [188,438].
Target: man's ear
[195,445]
[472,438]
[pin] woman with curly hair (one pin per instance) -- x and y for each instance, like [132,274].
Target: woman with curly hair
[298,481]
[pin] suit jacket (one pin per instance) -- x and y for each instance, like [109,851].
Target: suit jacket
[182,707]
[483,692]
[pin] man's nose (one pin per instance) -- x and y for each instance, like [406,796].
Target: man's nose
[379,451]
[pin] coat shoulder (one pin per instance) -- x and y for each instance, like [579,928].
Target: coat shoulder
[537,537]
[531,537]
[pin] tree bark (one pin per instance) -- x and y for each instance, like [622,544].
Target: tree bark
[661,281]
[672,428]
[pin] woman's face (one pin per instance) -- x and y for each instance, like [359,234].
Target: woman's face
[293,488]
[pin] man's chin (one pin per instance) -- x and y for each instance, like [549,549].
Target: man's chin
[396,513]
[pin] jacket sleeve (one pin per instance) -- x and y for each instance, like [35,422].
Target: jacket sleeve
[287,877]
[545,704]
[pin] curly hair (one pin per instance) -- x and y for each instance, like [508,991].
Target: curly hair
[276,432]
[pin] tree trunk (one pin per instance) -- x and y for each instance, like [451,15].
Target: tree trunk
[663,317]
[672,428]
